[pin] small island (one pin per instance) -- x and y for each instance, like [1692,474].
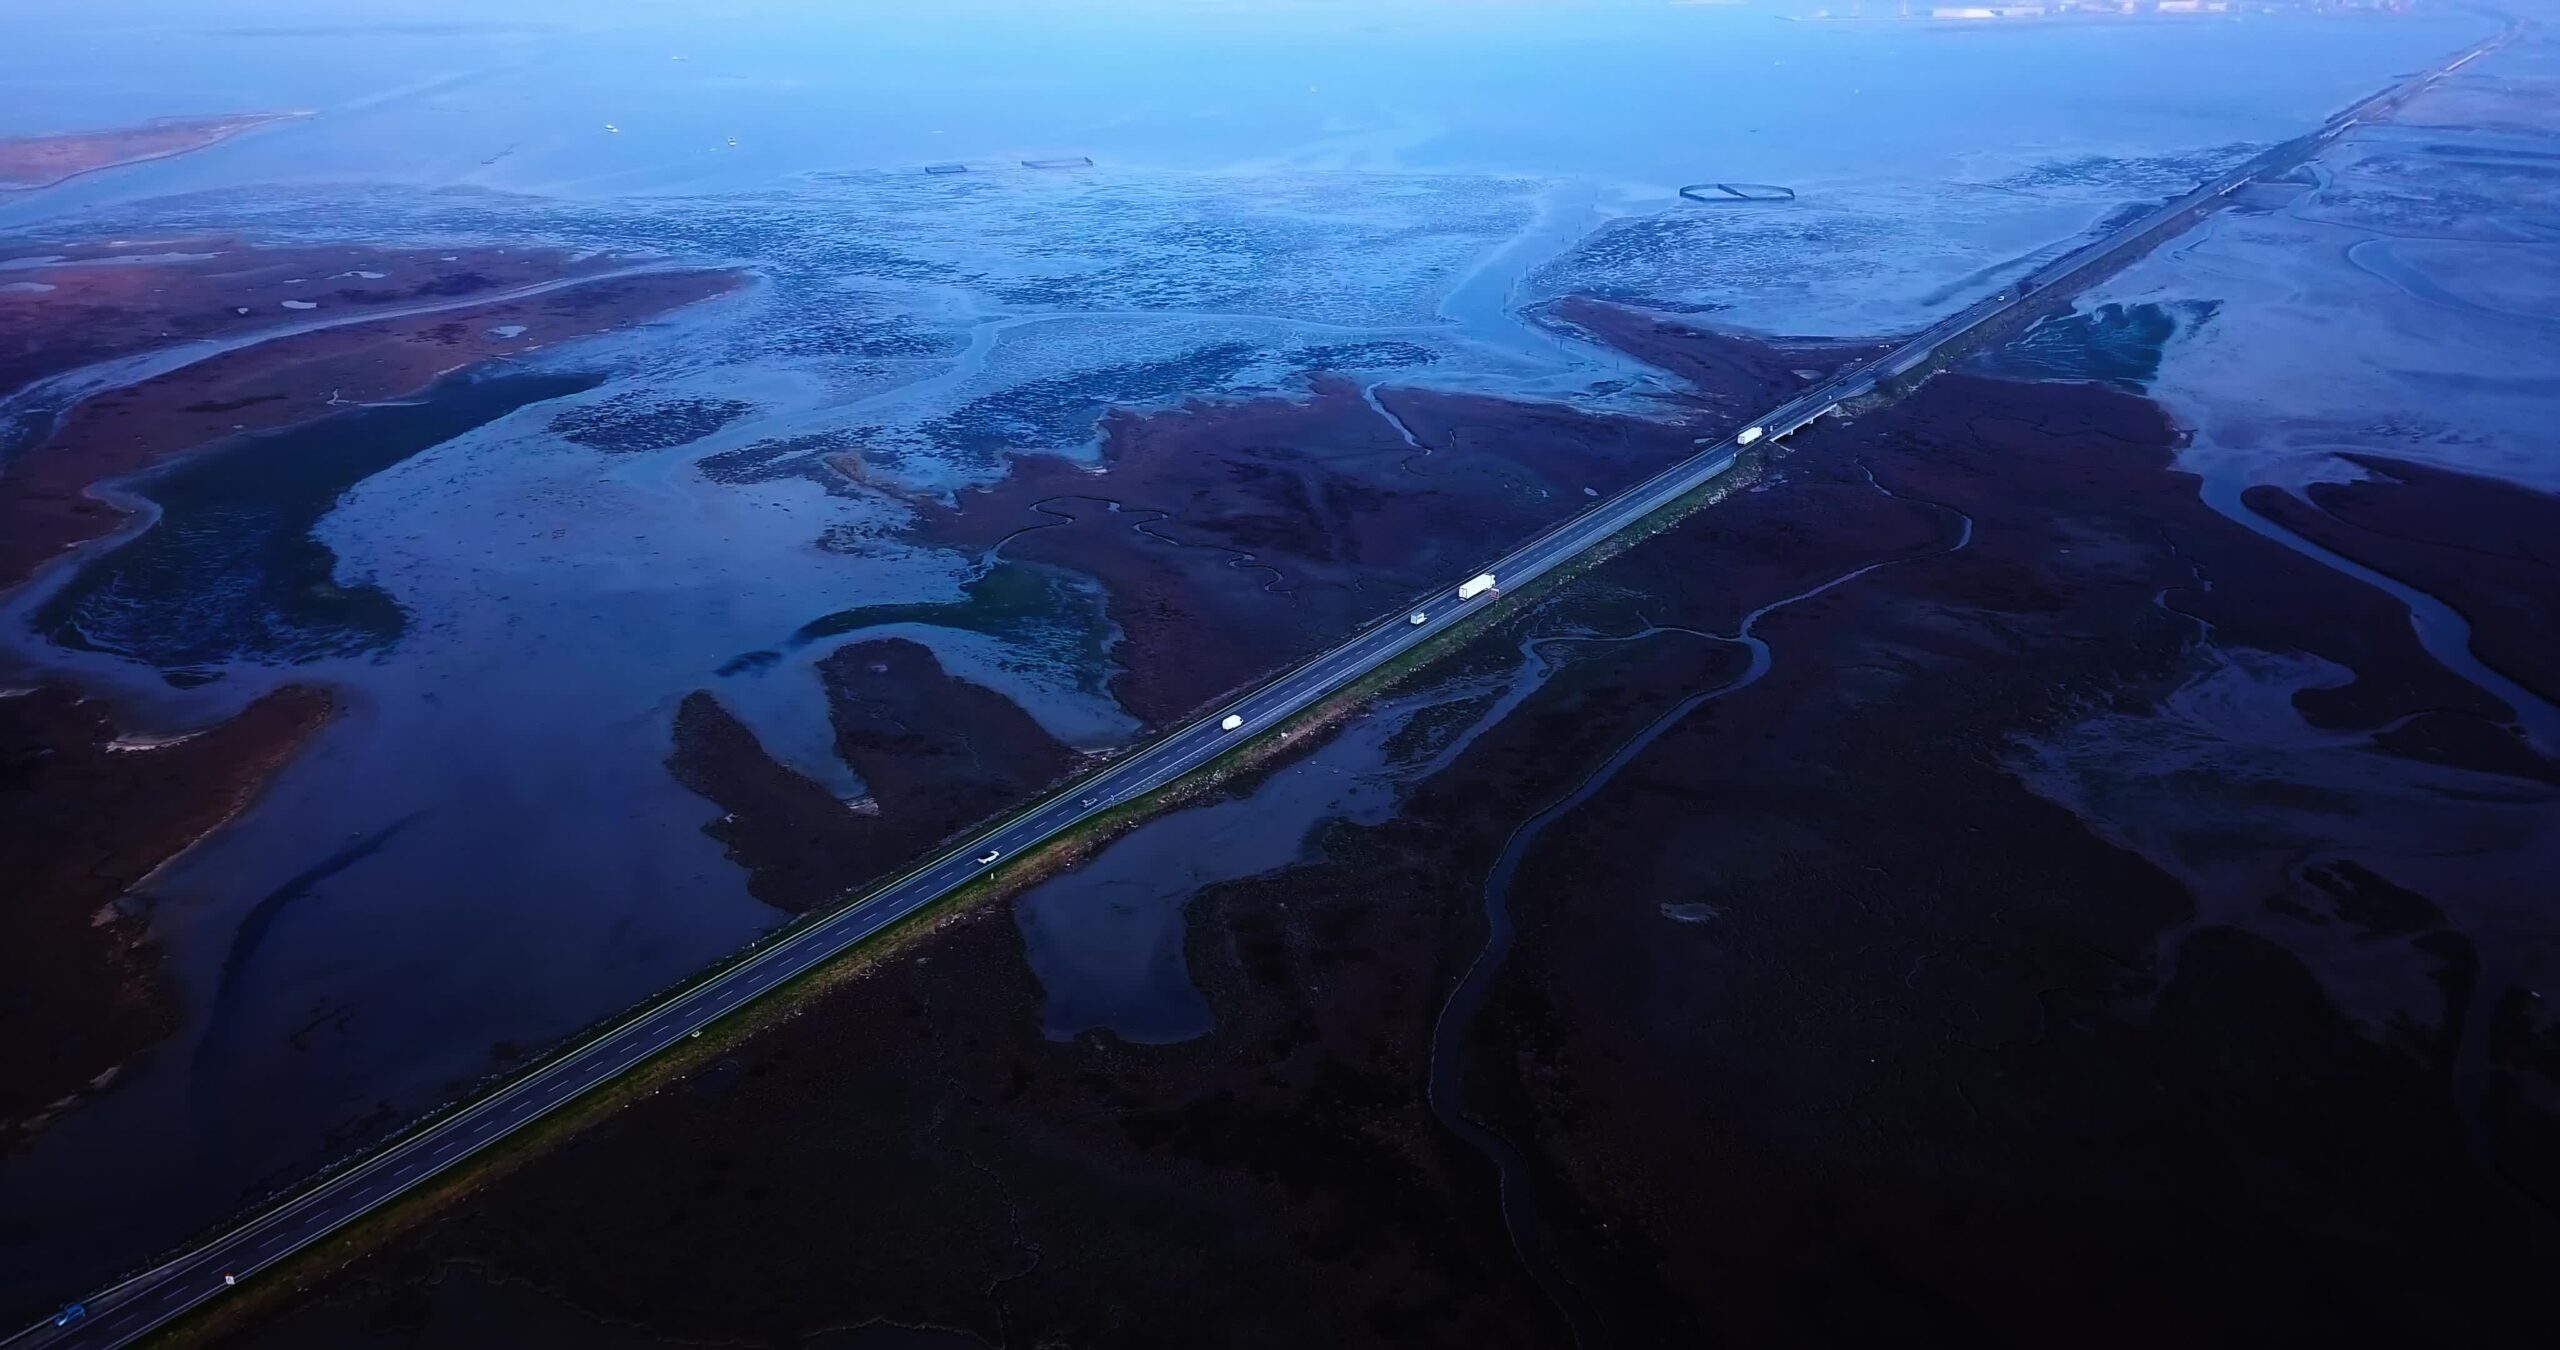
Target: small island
[28,163]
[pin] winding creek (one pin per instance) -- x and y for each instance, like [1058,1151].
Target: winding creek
[1529,1238]
[485,850]
[2441,629]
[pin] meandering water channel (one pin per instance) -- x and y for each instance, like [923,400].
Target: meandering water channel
[1529,1237]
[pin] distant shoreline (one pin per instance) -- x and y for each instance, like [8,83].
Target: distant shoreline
[34,163]
[1980,16]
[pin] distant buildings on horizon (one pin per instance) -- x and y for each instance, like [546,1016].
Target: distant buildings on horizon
[2063,9]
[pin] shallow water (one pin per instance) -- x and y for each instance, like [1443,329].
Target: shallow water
[241,515]
[485,851]
[2399,308]
[1106,939]
[491,95]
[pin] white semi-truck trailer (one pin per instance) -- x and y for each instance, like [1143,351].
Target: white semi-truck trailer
[1476,585]
[1749,434]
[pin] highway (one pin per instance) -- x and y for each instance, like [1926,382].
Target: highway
[150,1300]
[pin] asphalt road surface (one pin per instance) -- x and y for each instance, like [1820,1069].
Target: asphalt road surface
[152,1299]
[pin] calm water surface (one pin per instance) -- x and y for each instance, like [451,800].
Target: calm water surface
[485,851]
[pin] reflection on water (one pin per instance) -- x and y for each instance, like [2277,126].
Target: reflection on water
[1106,940]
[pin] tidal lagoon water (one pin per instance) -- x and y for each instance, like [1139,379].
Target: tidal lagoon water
[230,570]
[486,850]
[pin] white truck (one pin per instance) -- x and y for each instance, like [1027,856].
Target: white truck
[1230,722]
[1475,585]
[1749,434]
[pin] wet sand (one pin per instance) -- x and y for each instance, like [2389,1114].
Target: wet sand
[90,814]
[28,163]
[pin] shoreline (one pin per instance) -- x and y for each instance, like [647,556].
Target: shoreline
[83,491]
[270,381]
[90,152]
